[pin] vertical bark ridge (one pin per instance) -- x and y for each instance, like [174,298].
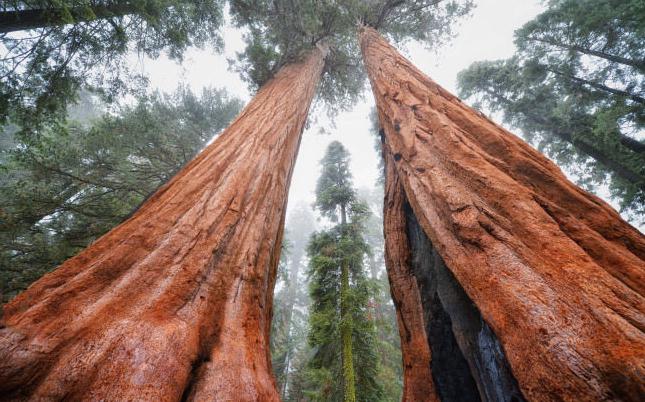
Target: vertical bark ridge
[418,384]
[549,266]
[176,301]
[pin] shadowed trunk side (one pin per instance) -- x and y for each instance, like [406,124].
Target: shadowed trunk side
[415,349]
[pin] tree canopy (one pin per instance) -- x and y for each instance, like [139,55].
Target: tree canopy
[280,31]
[52,49]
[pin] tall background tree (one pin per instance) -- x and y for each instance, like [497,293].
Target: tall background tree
[388,344]
[51,49]
[345,365]
[80,179]
[291,354]
[289,350]
[576,90]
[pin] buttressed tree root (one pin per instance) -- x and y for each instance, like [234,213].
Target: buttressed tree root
[537,284]
[175,303]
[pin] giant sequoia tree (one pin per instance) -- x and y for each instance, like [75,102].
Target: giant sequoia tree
[511,269]
[176,301]
[504,273]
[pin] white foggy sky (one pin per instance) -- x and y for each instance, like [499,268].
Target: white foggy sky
[486,35]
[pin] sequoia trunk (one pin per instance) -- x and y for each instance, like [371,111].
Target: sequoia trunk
[176,301]
[539,282]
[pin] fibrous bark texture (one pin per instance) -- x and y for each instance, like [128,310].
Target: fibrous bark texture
[175,303]
[418,384]
[553,273]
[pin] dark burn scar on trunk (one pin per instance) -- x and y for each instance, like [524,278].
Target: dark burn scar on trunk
[468,362]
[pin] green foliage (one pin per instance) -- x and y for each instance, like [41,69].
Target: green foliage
[576,90]
[341,293]
[72,44]
[282,31]
[328,251]
[76,181]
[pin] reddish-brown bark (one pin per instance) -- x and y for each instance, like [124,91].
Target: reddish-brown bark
[418,384]
[553,270]
[176,301]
